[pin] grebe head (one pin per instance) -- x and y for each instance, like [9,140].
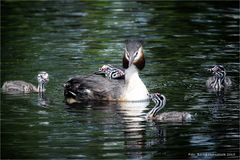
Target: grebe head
[42,77]
[159,100]
[133,54]
[218,71]
[105,68]
[111,72]
[114,74]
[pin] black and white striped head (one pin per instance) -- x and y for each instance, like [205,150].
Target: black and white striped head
[111,72]
[133,54]
[218,71]
[105,68]
[115,73]
[159,100]
[42,77]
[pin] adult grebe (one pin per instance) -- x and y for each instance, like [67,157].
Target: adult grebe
[160,101]
[96,87]
[219,80]
[14,87]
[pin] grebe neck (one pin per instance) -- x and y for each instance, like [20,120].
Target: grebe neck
[135,90]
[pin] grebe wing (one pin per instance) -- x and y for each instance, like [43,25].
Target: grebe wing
[18,87]
[93,87]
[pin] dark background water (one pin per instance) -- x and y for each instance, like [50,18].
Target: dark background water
[66,38]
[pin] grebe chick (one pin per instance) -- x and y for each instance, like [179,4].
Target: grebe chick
[96,87]
[160,101]
[111,72]
[219,80]
[18,86]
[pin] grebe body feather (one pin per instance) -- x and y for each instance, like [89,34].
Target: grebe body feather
[18,86]
[96,87]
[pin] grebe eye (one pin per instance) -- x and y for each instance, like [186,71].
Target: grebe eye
[135,54]
[114,75]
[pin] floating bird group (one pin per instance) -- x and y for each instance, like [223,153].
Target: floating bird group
[97,87]
[111,83]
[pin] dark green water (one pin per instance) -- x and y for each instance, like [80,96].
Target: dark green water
[66,38]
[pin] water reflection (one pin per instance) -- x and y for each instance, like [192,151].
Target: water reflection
[134,134]
[129,116]
[43,100]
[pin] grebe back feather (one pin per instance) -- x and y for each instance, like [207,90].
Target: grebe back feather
[92,87]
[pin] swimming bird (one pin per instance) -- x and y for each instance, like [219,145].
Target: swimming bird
[96,87]
[219,80]
[111,72]
[18,86]
[174,116]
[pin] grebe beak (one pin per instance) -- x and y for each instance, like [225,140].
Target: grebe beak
[131,59]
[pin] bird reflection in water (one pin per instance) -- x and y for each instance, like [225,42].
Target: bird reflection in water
[127,119]
[43,100]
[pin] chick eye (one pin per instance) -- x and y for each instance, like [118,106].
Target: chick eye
[161,97]
[114,75]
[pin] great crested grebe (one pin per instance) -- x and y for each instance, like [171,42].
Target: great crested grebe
[219,80]
[111,72]
[96,87]
[14,87]
[160,101]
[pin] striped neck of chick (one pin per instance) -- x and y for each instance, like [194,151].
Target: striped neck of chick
[159,100]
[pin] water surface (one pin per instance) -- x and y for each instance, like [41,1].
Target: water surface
[182,40]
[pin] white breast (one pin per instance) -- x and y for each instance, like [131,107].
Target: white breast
[135,89]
